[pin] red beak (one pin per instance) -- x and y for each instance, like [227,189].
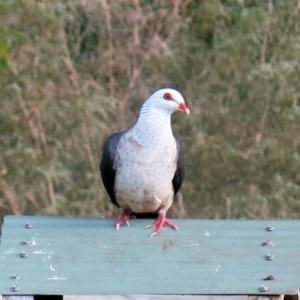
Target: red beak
[183,107]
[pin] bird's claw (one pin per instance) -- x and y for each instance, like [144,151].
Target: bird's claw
[149,226]
[159,223]
[124,217]
[169,224]
[154,234]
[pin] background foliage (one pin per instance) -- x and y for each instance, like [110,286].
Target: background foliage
[73,72]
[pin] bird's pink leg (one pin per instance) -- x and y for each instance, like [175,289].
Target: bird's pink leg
[123,217]
[159,223]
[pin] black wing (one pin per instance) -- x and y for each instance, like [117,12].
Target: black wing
[179,174]
[106,165]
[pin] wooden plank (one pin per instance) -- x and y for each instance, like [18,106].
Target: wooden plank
[87,256]
[156,297]
[172,297]
[28,297]
[149,297]
[18,297]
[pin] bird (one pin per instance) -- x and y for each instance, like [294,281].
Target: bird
[142,168]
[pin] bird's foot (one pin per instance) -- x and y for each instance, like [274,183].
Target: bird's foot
[159,223]
[123,217]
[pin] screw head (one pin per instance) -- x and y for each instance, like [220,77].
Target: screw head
[28,225]
[15,276]
[270,228]
[15,288]
[23,254]
[263,288]
[269,256]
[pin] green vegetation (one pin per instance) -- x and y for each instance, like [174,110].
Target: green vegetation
[73,72]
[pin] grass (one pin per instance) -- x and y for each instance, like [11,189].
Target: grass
[73,72]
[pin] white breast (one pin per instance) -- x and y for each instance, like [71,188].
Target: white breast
[145,166]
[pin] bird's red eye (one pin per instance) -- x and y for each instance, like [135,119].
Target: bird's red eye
[168,96]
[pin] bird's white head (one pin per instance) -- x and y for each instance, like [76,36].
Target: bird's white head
[168,100]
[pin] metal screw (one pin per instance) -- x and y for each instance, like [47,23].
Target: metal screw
[263,288]
[15,288]
[269,256]
[270,228]
[23,254]
[28,225]
[15,276]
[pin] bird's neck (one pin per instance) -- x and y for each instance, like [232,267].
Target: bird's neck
[152,115]
[154,124]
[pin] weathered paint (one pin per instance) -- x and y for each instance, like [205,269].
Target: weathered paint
[87,256]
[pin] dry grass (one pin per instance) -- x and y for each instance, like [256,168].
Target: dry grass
[73,72]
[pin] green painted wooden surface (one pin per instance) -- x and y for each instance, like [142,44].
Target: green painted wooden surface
[88,256]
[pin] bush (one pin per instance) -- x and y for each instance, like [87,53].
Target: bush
[64,64]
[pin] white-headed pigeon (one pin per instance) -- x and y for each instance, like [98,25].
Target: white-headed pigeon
[142,168]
